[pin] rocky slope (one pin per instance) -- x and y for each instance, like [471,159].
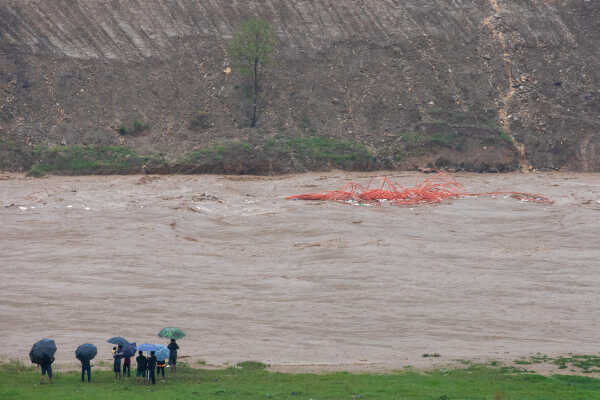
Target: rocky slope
[472,84]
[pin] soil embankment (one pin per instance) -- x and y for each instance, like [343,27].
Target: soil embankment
[477,85]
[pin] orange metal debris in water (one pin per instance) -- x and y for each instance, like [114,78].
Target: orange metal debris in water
[429,191]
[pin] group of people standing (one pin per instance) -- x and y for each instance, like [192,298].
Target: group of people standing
[147,367]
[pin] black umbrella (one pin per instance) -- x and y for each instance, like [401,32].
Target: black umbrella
[42,351]
[129,350]
[86,352]
[118,340]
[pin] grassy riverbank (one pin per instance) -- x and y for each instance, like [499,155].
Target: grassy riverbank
[275,155]
[252,382]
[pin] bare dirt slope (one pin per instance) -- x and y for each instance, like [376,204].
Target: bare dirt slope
[250,275]
[461,74]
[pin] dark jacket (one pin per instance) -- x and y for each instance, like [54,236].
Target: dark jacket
[173,347]
[141,362]
[46,361]
[151,362]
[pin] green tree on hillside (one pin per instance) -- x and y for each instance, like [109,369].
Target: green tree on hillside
[250,50]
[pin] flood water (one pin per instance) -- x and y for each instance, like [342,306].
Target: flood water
[250,275]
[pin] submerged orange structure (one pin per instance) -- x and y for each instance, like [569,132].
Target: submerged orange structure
[428,191]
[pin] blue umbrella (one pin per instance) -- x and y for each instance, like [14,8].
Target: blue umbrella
[147,347]
[86,352]
[129,350]
[118,340]
[163,352]
[42,351]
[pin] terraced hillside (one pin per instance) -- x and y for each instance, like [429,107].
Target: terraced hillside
[468,84]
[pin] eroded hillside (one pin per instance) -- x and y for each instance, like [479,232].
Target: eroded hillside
[468,84]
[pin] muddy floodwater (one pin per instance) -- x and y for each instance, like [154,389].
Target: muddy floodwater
[249,275]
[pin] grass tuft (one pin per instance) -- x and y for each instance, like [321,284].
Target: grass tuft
[136,128]
[587,363]
[83,160]
[16,367]
[249,365]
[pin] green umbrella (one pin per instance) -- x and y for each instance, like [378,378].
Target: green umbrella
[173,333]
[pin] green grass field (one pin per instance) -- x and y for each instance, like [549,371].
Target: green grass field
[248,382]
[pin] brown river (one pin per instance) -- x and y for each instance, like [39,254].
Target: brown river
[249,275]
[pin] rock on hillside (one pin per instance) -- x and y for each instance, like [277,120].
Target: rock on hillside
[473,84]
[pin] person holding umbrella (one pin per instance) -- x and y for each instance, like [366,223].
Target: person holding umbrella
[121,343]
[162,354]
[46,365]
[150,361]
[128,352]
[85,353]
[117,363]
[86,366]
[173,334]
[127,366]
[173,347]
[42,353]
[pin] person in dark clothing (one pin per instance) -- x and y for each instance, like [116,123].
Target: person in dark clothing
[160,368]
[86,367]
[117,363]
[46,366]
[151,366]
[173,347]
[141,367]
[127,366]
